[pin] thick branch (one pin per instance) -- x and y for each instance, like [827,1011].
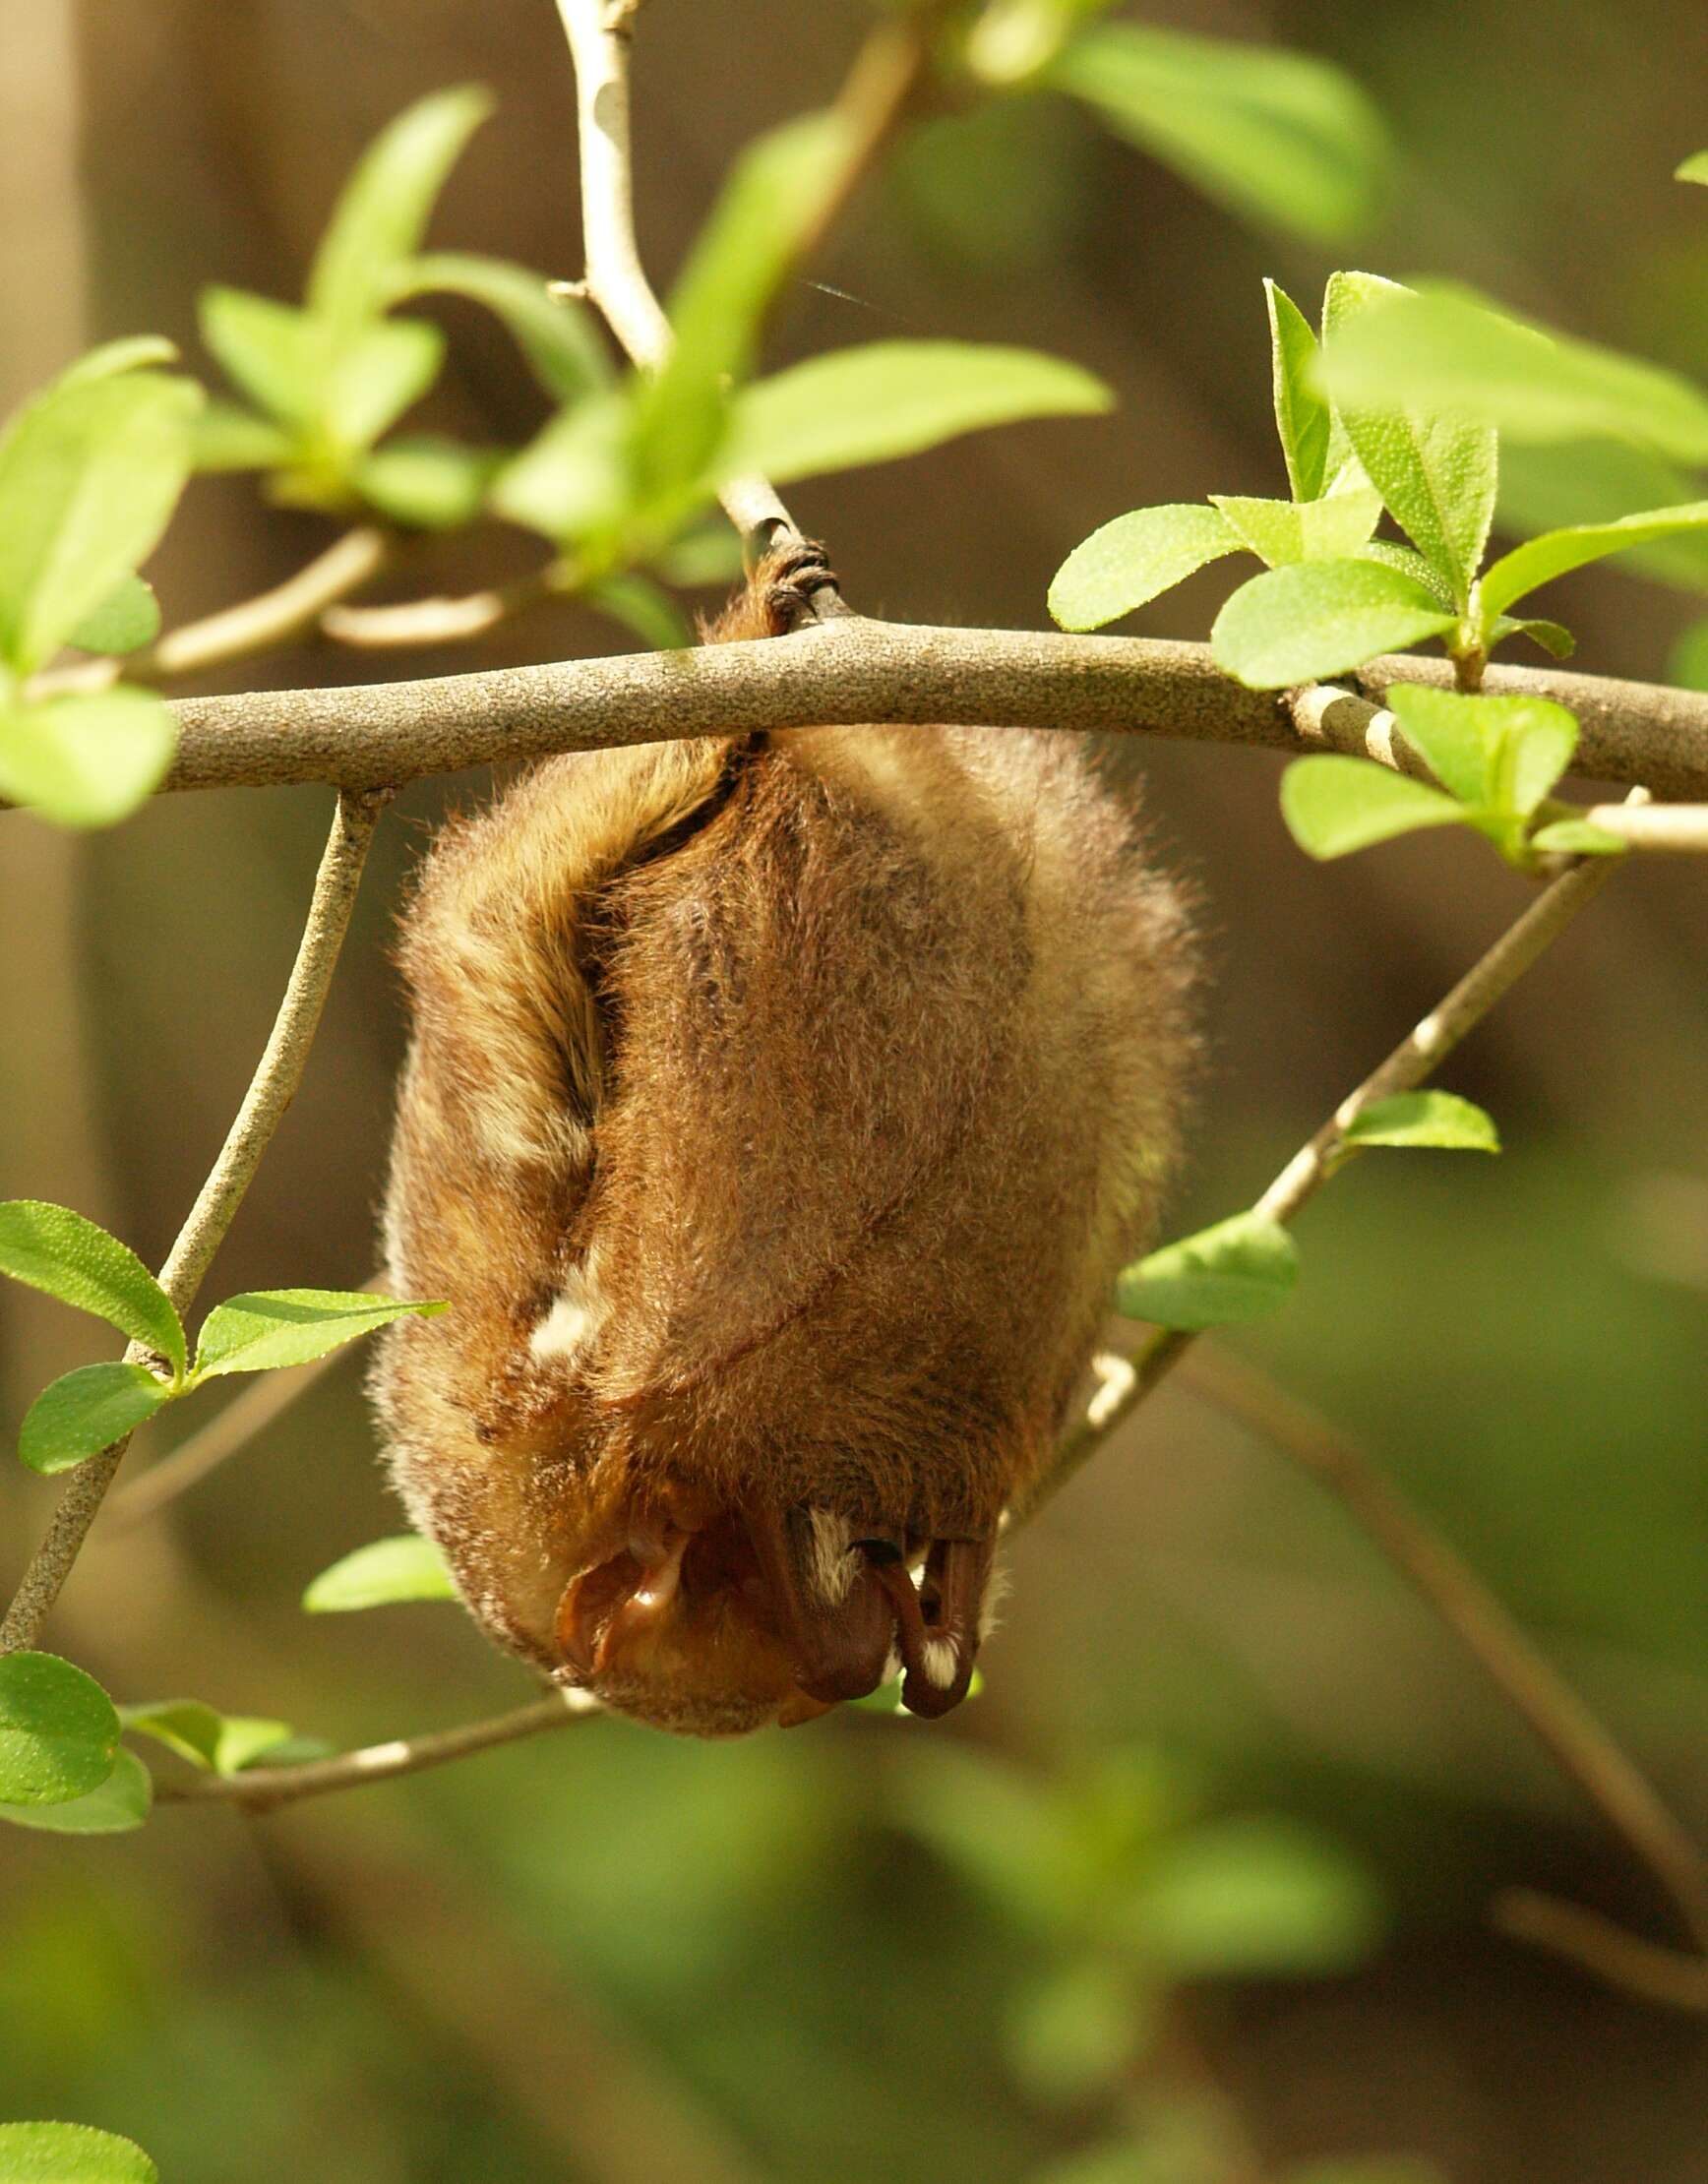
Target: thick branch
[849,671]
[264,1788]
[270,1091]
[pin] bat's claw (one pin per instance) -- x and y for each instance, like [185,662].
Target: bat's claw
[800,586]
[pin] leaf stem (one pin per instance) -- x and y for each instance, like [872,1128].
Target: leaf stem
[272,1089]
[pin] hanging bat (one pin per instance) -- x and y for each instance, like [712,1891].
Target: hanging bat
[779,1110]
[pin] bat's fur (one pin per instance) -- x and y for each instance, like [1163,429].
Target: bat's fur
[778,1113]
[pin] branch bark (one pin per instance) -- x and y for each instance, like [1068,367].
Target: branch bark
[272,1090]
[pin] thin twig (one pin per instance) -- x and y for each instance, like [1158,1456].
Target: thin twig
[1678,828]
[1580,1745]
[1414,1059]
[272,618]
[270,1091]
[264,1788]
[417,622]
[1597,1945]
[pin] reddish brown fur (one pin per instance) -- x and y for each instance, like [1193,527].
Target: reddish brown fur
[831,1077]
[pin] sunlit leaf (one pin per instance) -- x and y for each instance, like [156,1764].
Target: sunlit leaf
[554,333]
[70,2153]
[1301,418]
[1239,1269]
[1322,617]
[132,352]
[892,398]
[1282,532]
[1437,473]
[1578,838]
[268,1329]
[381,373]
[426,482]
[1692,169]
[1539,560]
[1134,558]
[572,482]
[224,1743]
[1013,39]
[86,1411]
[59,1733]
[52,1249]
[119,1804]
[641,606]
[228,437]
[126,620]
[383,213]
[1334,805]
[1254,1899]
[1440,1120]
[88,759]
[278,356]
[406,1568]
[1595,481]
[1554,638]
[1505,753]
[1279,137]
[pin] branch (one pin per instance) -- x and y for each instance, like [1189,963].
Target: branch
[266,1788]
[1581,1746]
[270,1091]
[1411,1062]
[1597,1945]
[417,622]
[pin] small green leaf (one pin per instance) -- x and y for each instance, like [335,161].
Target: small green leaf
[1134,558]
[1594,481]
[1078,2030]
[89,474]
[226,1743]
[278,356]
[382,371]
[1426,1119]
[1254,1899]
[893,399]
[127,618]
[1539,560]
[1408,562]
[1282,532]
[709,554]
[1012,39]
[1239,1269]
[59,1733]
[86,1411]
[133,352]
[1577,838]
[55,1250]
[427,482]
[1554,638]
[1301,416]
[1457,738]
[70,2153]
[382,214]
[406,1568]
[1320,617]
[1438,473]
[1448,350]
[228,438]
[1692,169]
[1280,138]
[1335,805]
[120,1803]
[641,606]
[572,482]
[268,1329]
[554,333]
[87,760]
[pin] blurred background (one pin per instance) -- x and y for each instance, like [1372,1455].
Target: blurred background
[1198,1891]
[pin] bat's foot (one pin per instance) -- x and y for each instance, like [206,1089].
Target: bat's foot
[798,586]
[937,1624]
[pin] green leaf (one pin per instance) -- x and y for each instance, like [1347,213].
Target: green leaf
[133,352]
[1578,838]
[1448,350]
[1409,563]
[59,1733]
[571,483]
[1013,39]
[226,1743]
[1554,638]
[268,1329]
[1335,805]
[1437,473]
[70,2153]
[86,1411]
[89,474]
[87,760]
[1239,1269]
[554,333]
[1078,2030]
[1688,661]
[1504,753]
[228,438]
[641,606]
[1320,617]
[1279,138]
[1426,1119]
[382,372]
[1593,481]
[1254,1899]
[1282,532]
[1692,169]
[1301,416]
[430,483]
[1134,558]
[406,1568]
[50,1248]
[278,356]
[710,554]
[1539,560]
[121,1802]
[382,214]
[126,620]
[768,208]
[892,398]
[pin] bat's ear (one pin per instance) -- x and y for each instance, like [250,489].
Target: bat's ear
[833,1607]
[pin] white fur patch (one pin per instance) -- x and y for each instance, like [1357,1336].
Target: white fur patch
[1116,1378]
[571,1320]
[940,1663]
[834,1562]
